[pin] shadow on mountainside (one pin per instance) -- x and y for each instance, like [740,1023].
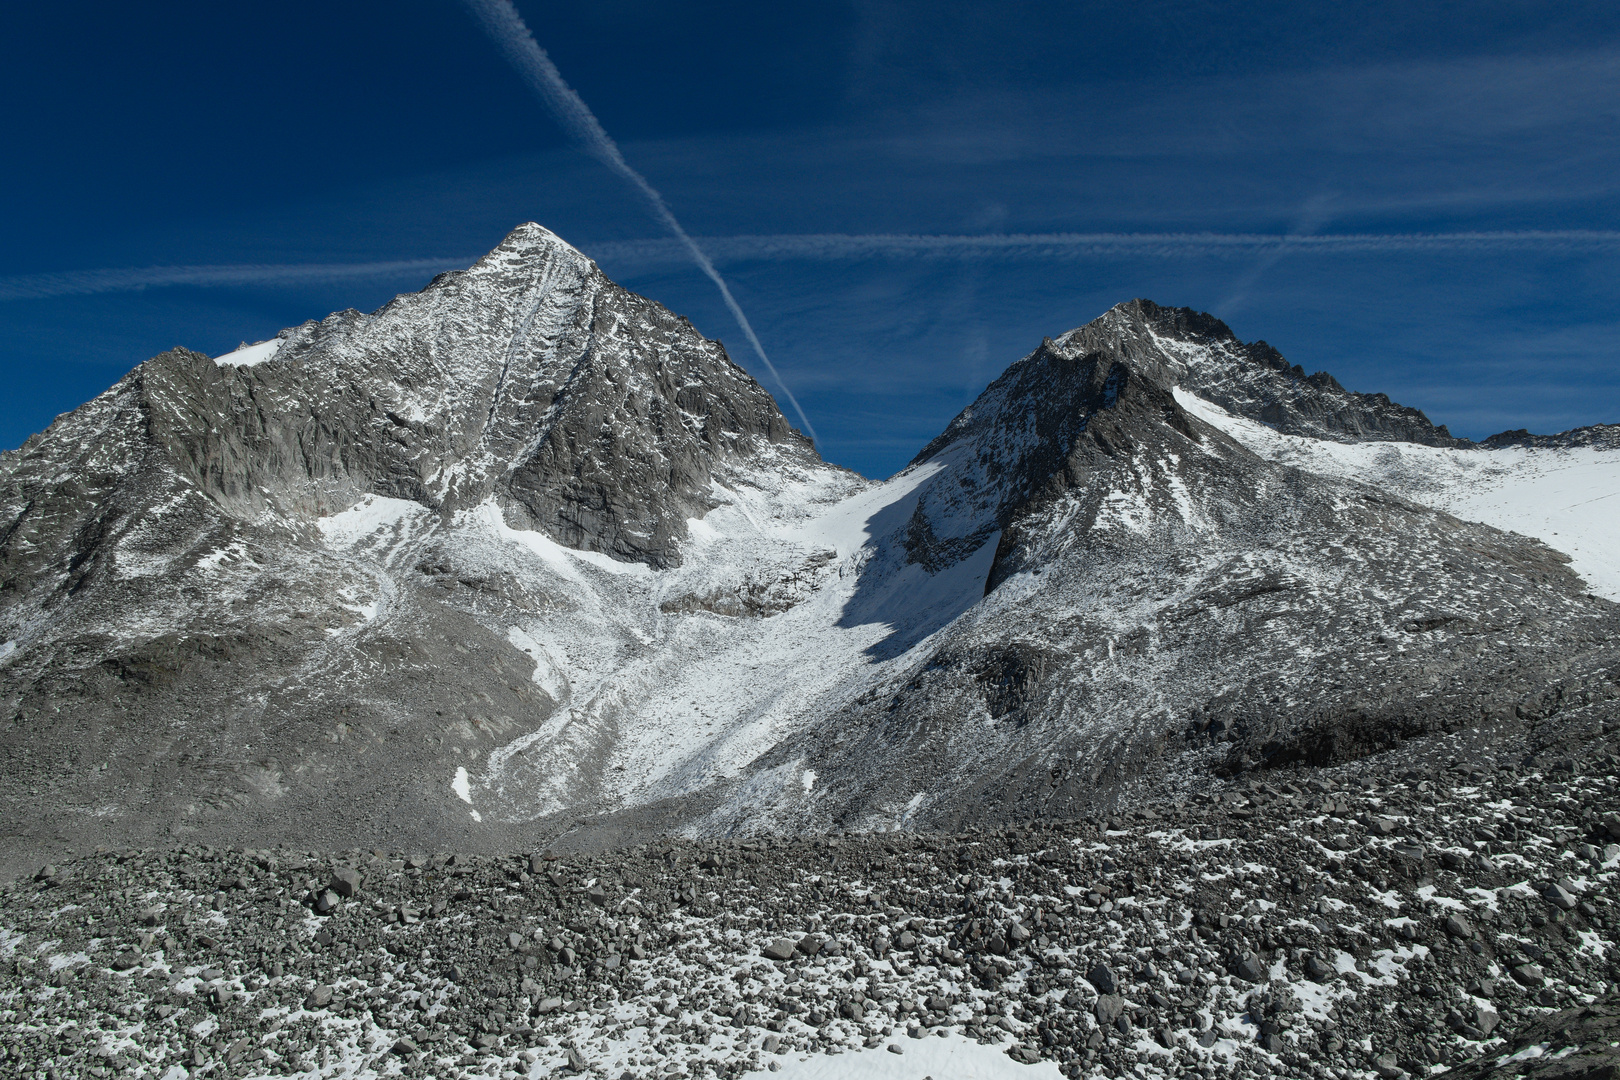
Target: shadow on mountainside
[893,590]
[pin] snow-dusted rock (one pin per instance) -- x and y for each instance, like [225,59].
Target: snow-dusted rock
[524,554]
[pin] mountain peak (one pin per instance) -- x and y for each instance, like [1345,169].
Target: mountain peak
[1199,353]
[586,412]
[1090,402]
[524,549]
[1180,323]
[529,241]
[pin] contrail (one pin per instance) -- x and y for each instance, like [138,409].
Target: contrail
[503,23]
[836,247]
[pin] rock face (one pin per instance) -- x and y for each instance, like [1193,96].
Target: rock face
[1606,436]
[1182,347]
[523,553]
[174,599]
[581,409]
[1162,602]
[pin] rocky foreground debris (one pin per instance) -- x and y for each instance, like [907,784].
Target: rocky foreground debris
[1456,918]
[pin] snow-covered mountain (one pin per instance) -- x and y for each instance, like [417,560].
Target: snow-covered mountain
[523,552]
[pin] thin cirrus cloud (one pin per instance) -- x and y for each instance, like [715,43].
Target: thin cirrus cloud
[836,246]
[137,278]
[824,247]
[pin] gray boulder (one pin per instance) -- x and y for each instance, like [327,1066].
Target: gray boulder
[345,882]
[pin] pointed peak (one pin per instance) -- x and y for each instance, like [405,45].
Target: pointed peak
[529,243]
[532,235]
[1142,314]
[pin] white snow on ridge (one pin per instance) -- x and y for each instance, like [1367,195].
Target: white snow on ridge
[1567,498]
[249,355]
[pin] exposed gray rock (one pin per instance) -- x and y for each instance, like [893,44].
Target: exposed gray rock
[1529,975]
[400,554]
[345,882]
[780,949]
[455,989]
[1559,896]
[1388,1067]
[1250,969]
[1109,1008]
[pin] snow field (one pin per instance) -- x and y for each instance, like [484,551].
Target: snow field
[1567,498]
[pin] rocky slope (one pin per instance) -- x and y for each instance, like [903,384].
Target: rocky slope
[1168,595]
[523,555]
[1445,907]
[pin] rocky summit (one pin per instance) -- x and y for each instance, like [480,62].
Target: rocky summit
[497,684]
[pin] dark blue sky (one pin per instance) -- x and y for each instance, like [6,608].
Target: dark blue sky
[304,135]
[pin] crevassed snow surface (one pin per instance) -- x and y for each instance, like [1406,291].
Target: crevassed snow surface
[713,716]
[249,355]
[1567,498]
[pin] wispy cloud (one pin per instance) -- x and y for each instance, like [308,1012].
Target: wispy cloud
[136,278]
[833,247]
[840,246]
[503,23]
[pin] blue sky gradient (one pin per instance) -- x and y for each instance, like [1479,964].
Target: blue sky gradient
[358,147]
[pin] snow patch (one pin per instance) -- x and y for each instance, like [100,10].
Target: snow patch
[367,518]
[367,611]
[561,559]
[461,786]
[234,552]
[249,355]
[548,676]
[954,1056]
